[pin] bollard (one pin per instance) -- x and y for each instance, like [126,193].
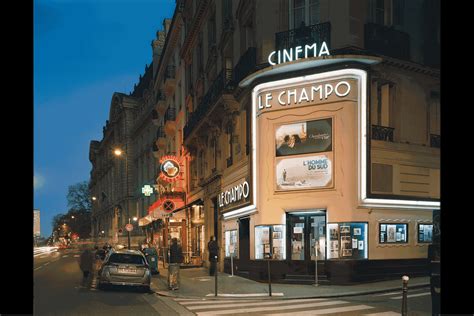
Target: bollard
[316,265]
[404,295]
[232,264]
[269,280]
[215,276]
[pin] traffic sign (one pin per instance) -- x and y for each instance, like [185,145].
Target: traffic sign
[129,227]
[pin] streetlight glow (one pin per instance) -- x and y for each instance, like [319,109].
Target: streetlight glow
[135,218]
[118,152]
[72,216]
[94,198]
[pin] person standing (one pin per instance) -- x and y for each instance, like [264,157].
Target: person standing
[85,263]
[213,250]
[176,257]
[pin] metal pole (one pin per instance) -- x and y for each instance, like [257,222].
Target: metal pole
[269,279]
[128,235]
[316,265]
[404,295]
[215,275]
[232,263]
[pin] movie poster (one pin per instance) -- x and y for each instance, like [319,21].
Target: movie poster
[304,172]
[303,138]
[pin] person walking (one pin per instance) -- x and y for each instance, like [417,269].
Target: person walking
[85,263]
[213,249]
[176,257]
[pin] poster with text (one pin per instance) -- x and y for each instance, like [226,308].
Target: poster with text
[303,138]
[304,172]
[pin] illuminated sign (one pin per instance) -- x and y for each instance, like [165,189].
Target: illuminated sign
[169,168]
[234,194]
[147,190]
[288,55]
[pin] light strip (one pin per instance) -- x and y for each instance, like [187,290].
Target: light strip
[240,212]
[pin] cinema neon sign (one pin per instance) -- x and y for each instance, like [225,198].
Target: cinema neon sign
[234,194]
[288,55]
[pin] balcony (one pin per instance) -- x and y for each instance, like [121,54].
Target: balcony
[435,141]
[304,35]
[387,41]
[245,66]
[160,103]
[170,121]
[221,85]
[156,151]
[382,133]
[160,138]
[170,80]
[155,118]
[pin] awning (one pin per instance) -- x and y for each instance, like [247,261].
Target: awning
[196,202]
[145,220]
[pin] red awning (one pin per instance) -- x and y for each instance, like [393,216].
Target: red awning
[154,206]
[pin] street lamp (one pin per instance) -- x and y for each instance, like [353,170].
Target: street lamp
[94,198]
[118,152]
[128,232]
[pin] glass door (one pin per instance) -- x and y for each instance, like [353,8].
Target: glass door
[317,237]
[297,237]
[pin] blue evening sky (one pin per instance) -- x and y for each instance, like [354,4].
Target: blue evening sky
[84,51]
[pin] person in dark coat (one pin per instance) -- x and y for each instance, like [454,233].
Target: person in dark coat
[86,263]
[176,252]
[213,250]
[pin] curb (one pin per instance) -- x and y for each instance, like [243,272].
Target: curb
[169,294]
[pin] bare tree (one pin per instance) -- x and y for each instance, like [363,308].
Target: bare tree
[79,197]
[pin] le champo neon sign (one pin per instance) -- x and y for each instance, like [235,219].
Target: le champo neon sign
[288,55]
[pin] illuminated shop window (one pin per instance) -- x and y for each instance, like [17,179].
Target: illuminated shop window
[425,233]
[347,240]
[393,233]
[270,242]
[231,244]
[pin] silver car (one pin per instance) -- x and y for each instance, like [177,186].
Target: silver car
[125,267]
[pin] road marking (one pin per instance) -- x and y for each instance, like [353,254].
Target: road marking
[46,263]
[76,256]
[383,314]
[413,295]
[399,292]
[246,295]
[38,268]
[194,301]
[263,309]
[215,305]
[65,256]
[329,310]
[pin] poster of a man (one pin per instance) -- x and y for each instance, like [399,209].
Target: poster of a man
[303,138]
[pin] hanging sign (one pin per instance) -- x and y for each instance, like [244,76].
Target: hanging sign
[170,168]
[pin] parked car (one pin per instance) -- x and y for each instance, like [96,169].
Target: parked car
[100,254]
[125,267]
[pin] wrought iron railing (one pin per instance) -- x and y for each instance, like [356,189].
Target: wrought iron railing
[160,97]
[170,114]
[435,140]
[246,65]
[387,41]
[382,133]
[160,133]
[304,35]
[220,85]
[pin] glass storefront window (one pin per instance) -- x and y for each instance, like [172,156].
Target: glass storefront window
[231,244]
[425,233]
[393,233]
[347,241]
[270,242]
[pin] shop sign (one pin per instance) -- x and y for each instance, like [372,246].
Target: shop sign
[170,168]
[308,172]
[234,194]
[306,94]
[147,190]
[288,55]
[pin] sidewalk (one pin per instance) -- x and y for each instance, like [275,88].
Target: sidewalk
[196,283]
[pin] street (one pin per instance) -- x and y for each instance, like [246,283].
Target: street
[58,290]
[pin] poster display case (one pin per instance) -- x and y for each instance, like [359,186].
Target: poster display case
[390,233]
[231,244]
[270,242]
[425,233]
[347,240]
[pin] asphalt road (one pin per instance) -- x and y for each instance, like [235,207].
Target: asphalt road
[58,290]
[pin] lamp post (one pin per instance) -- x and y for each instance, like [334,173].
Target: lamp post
[118,152]
[128,232]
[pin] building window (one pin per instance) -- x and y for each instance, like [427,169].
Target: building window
[347,241]
[425,233]
[270,241]
[211,28]
[305,12]
[387,12]
[231,244]
[393,233]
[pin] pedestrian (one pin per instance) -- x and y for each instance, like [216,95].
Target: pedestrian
[85,263]
[212,247]
[176,257]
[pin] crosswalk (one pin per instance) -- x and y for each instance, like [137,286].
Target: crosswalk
[312,306]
